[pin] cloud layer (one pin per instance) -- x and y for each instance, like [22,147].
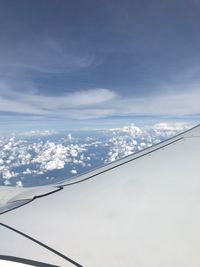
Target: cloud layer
[39,157]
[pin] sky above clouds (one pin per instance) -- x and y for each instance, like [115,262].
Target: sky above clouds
[89,60]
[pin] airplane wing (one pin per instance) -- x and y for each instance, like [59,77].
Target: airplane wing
[143,211]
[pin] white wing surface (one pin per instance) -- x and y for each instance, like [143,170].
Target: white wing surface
[141,211]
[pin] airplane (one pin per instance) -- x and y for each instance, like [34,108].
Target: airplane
[142,211]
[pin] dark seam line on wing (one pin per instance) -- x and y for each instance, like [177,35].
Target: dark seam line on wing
[35,197]
[26,261]
[120,164]
[49,193]
[16,207]
[42,244]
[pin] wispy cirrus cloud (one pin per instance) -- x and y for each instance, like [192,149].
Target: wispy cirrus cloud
[76,104]
[100,103]
[44,56]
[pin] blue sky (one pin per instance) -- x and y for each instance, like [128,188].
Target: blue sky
[90,63]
